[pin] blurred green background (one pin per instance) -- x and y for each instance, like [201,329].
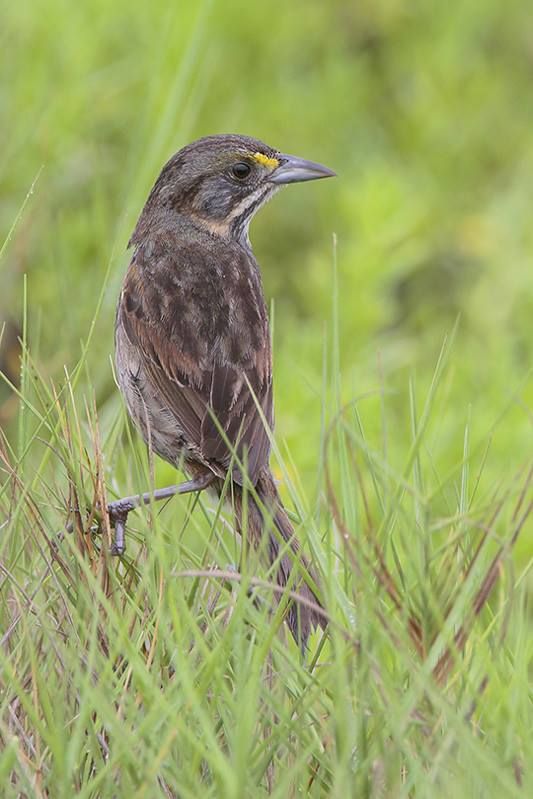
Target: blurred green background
[423,109]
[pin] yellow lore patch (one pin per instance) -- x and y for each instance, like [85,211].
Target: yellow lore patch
[264,160]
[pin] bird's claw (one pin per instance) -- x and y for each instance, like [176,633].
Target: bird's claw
[118,516]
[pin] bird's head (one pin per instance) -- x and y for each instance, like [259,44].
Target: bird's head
[221,181]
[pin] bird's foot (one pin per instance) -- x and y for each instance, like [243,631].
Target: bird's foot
[119,509]
[118,515]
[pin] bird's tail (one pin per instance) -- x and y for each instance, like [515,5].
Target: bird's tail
[303,614]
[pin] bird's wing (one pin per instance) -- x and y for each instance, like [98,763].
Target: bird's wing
[212,373]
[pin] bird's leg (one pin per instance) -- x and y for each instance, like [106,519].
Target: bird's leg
[119,509]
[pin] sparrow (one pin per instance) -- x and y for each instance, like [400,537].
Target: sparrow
[193,350]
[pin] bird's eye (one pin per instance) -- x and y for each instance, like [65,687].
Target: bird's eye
[241,170]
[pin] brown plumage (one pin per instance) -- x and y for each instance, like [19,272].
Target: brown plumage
[193,349]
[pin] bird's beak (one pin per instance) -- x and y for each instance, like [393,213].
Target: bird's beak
[296,170]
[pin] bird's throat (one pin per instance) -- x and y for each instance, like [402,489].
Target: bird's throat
[234,226]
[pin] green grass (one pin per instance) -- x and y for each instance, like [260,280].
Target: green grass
[166,673]
[403,351]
